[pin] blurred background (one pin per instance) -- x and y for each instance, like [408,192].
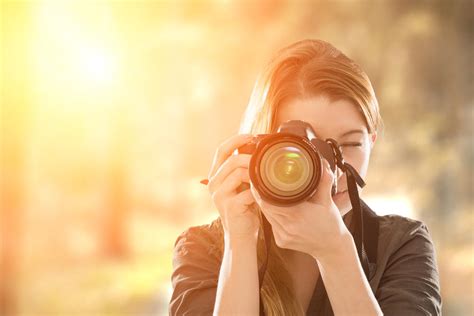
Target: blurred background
[111,113]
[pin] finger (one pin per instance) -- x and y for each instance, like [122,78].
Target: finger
[269,216]
[255,194]
[225,150]
[323,194]
[245,198]
[279,230]
[233,162]
[275,209]
[233,181]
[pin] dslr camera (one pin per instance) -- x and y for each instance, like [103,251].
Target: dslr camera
[286,166]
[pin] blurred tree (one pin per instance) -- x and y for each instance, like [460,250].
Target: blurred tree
[14,127]
[117,197]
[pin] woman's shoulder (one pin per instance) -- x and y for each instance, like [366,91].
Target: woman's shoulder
[202,239]
[401,234]
[201,233]
[196,262]
[399,227]
[406,280]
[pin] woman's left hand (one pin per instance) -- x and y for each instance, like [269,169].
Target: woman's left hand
[314,227]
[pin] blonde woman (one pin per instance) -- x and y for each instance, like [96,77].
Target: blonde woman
[312,266]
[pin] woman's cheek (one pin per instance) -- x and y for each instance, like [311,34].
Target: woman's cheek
[364,163]
[361,161]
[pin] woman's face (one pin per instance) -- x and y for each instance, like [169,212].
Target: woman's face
[341,121]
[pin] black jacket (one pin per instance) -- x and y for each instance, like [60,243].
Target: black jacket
[403,270]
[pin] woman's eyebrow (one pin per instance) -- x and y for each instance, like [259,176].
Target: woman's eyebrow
[353,131]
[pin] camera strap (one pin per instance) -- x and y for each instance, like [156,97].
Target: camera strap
[354,179]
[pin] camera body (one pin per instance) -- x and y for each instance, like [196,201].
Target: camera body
[286,166]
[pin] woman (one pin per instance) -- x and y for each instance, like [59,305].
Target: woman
[313,264]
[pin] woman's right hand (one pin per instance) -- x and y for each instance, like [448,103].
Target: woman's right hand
[228,171]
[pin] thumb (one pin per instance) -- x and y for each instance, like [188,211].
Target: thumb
[255,194]
[323,193]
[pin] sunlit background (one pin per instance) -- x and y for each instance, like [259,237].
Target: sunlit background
[112,111]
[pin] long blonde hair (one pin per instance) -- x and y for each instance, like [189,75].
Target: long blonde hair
[303,69]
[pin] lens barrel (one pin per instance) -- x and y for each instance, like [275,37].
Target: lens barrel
[285,169]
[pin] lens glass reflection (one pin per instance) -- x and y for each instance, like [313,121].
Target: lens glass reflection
[286,168]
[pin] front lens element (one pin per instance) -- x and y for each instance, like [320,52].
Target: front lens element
[286,168]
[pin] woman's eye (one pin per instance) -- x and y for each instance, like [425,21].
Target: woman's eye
[351,144]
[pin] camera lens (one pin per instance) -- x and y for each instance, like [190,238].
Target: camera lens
[286,169]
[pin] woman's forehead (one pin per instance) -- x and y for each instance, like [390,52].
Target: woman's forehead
[329,118]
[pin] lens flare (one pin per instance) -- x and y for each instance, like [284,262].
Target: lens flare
[287,169]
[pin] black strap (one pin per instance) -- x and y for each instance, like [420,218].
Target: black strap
[357,217]
[371,233]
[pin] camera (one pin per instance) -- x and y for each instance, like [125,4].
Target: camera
[286,166]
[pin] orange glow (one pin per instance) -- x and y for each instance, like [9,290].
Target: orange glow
[112,111]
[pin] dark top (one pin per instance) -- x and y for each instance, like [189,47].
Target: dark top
[404,279]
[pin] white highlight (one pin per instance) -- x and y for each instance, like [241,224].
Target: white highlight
[390,204]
